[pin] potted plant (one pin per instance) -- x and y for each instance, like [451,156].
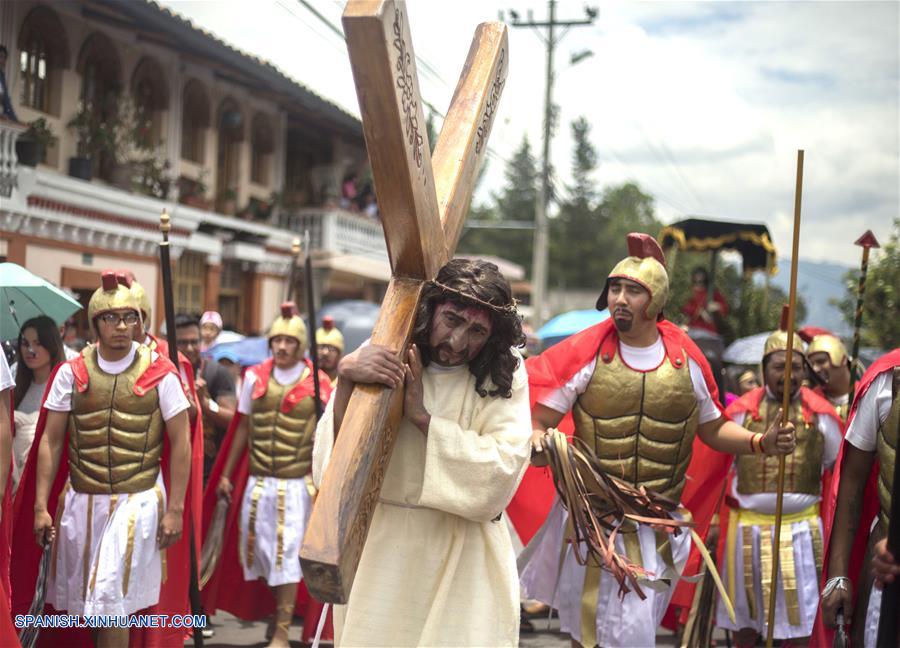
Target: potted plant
[227,201]
[33,145]
[93,138]
[192,191]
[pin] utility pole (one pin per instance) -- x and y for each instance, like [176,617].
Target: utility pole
[541,240]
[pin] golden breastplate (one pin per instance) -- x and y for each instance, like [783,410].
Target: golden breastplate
[803,468]
[115,436]
[281,443]
[887,455]
[641,425]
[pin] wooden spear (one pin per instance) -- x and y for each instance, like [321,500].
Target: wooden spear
[867,241]
[786,400]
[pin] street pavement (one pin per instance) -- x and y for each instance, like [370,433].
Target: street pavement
[232,632]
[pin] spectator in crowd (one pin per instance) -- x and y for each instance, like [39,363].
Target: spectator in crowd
[704,313]
[72,343]
[330,345]
[40,350]
[6,384]
[348,192]
[215,389]
[367,202]
[210,327]
[8,111]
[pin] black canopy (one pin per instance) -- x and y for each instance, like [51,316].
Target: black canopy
[752,240]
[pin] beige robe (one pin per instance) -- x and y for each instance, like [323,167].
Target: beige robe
[438,567]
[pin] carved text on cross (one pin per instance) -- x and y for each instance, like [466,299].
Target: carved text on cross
[423,200]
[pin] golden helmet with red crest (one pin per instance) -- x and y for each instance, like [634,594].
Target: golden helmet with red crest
[290,324]
[645,265]
[114,293]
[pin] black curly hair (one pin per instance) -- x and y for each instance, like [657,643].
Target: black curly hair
[472,282]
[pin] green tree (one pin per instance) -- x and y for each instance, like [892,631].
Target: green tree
[881,304]
[515,202]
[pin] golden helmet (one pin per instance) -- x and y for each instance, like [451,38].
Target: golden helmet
[289,323]
[328,334]
[837,352]
[114,293]
[777,341]
[646,265]
[143,301]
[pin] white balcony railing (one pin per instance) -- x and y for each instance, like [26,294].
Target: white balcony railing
[338,232]
[9,162]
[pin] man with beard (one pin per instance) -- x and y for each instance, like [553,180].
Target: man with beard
[214,385]
[330,343]
[263,469]
[119,404]
[861,496]
[829,359]
[639,390]
[438,566]
[751,518]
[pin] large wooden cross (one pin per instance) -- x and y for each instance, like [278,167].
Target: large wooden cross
[423,200]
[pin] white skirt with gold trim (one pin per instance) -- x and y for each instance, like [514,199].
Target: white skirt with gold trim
[799,568]
[274,515]
[587,597]
[107,558]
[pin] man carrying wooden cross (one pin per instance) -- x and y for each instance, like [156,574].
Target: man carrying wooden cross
[438,566]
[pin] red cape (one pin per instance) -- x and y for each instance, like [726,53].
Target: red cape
[553,368]
[8,633]
[870,506]
[227,590]
[173,596]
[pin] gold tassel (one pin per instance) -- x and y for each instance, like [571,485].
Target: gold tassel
[749,590]
[589,595]
[159,513]
[765,565]
[279,551]
[86,558]
[818,549]
[789,575]
[129,547]
[251,523]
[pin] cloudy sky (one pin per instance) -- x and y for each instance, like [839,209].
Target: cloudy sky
[703,104]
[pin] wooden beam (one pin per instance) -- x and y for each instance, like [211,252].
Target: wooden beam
[383,63]
[339,522]
[462,143]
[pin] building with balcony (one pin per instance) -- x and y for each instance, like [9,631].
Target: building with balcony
[148,111]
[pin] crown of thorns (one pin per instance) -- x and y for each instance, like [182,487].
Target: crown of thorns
[504,308]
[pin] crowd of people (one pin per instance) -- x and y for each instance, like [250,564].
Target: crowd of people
[119,463]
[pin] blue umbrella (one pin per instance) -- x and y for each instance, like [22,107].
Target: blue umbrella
[562,326]
[246,352]
[24,295]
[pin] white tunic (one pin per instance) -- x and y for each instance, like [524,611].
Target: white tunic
[438,567]
[98,533]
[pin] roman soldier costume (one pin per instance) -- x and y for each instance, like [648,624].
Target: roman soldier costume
[837,356]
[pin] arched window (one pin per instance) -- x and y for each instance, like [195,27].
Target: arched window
[101,85]
[228,166]
[151,98]
[43,54]
[262,145]
[194,121]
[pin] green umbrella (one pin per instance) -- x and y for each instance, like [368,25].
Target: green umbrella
[24,295]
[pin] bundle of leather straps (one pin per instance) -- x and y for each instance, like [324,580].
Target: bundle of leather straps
[599,505]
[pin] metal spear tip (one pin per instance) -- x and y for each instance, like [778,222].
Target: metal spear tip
[867,240]
[165,222]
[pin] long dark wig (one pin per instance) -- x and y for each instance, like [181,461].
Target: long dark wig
[48,336]
[467,283]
